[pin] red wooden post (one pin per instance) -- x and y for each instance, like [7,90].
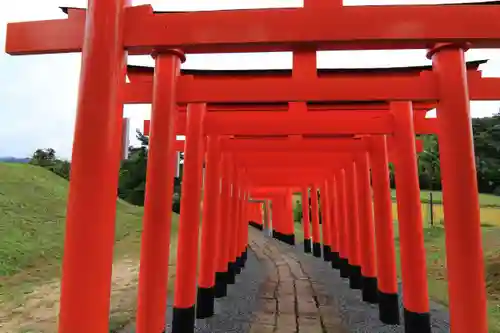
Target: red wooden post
[355,280]
[278,215]
[268,219]
[411,233]
[246,209]
[289,227]
[234,255]
[187,248]
[155,243]
[325,214]
[343,224]
[464,253]
[334,222]
[305,220]
[239,225]
[210,230]
[386,257]
[222,271]
[366,230]
[315,222]
[86,270]
[231,273]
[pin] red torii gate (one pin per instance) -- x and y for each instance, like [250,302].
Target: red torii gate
[109,29]
[276,145]
[389,309]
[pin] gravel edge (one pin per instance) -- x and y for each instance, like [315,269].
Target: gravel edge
[358,316]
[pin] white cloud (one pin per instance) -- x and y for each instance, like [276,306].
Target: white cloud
[38,93]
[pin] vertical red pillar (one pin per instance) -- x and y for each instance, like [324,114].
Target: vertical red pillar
[384,241]
[366,230]
[305,220]
[277,209]
[268,218]
[411,233]
[464,253]
[234,221]
[86,271]
[315,222]
[254,215]
[222,272]
[260,215]
[231,274]
[334,223]
[155,244]
[239,231]
[355,280]
[325,214]
[187,248]
[289,227]
[210,230]
[244,223]
[343,228]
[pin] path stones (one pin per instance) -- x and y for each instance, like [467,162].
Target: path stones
[289,302]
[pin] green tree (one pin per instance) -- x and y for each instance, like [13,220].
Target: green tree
[132,178]
[43,157]
[487,151]
[46,158]
[428,164]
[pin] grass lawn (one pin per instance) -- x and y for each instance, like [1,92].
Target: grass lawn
[485,200]
[33,210]
[436,255]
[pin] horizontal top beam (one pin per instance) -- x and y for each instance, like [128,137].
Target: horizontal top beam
[146,73]
[327,106]
[298,145]
[308,123]
[288,145]
[283,90]
[321,27]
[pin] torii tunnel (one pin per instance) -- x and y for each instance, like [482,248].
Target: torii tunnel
[263,135]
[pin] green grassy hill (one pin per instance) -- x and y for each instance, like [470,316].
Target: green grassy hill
[32,221]
[33,209]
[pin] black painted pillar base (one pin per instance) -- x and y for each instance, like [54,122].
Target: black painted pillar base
[289,239]
[231,274]
[220,284]
[327,253]
[335,260]
[388,305]
[355,277]
[317,250]
[205,302]
[256,225]
[344,268]
[370,290]
[183,320]
[244,256]
[237,266]
[276,235]
[239,261]
[307,246]
[417,322]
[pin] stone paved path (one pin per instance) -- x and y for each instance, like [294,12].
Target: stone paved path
[283,290]
[289,301]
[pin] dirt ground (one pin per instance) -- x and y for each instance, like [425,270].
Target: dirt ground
[37,311]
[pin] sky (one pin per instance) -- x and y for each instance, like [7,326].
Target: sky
[38,93]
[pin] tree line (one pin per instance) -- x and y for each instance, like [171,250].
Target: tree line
[132,177]
[486,134]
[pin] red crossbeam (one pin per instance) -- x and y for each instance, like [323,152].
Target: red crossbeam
[322,28]
[266,90]
[285,123]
